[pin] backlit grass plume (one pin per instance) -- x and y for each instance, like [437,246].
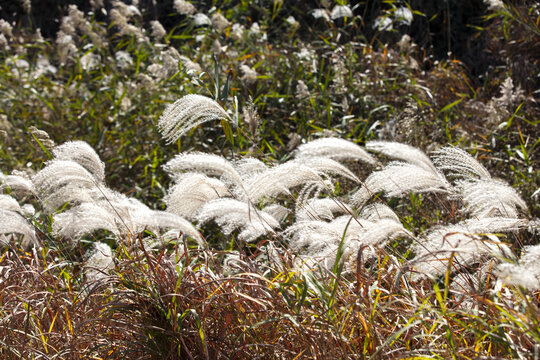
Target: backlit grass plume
[209,164]
[188,112]
[398,179]
[191,192]
[231,214]
[414,173]
[12,222]
[334,148]
[83,154]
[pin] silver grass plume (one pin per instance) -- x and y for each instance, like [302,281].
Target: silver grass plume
[62,181]
[99,261]
[378,211]
[482,195]
[248,167]
[334,148]
[489,198]
[402,152]
[16,183]
[310,237]
[188,112]
[10,204]
[83,154]
[13,222]
[459,163]
[464,243]
[525,272]
[120,215]
[398,179]
[191,192]
[321,209]
[208,164]
[320,240]
[312,190]
[232,214]
[279,179]
[277,211]
[325,166]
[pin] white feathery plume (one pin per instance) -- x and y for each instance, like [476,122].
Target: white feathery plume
[277,211]
[320,239]
[398,179]
[249,166]
[63,181]
[191,192]
[209,164]
[11,222]
[85,219]
[334,148]
[155,219]
[321,209]
[525,272]
[341,11]
[120,215]
[325,166]
[99,262]
[279,179]
[16,183]
[184,7]
[496,225]
[460,163]
[378,211]
[232,214]
[434,253]
[83,154]
[186,113]
[28,210]
[402,152]
[312,236]
[10,204]
[313,190]
[489,198]
[71,194]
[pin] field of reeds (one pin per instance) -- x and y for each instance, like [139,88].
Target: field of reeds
[269,179]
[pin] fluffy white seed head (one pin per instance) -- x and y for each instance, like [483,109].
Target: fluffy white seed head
[326,166]
[83,154]
[398,179]
[402,152]
[334,148]
[9,203]
[191,192]
[459,243]
[232,214]
[341,11]
[489,198]
[11,222]
[279,179]
[378,211]
[321,209]
[184,7]
[99,262]
[460,163]
[186,113]
[248,167]
[120,215]
[63,181]
[526,272]
[209,164]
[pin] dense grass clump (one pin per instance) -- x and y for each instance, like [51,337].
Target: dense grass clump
[242,180]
